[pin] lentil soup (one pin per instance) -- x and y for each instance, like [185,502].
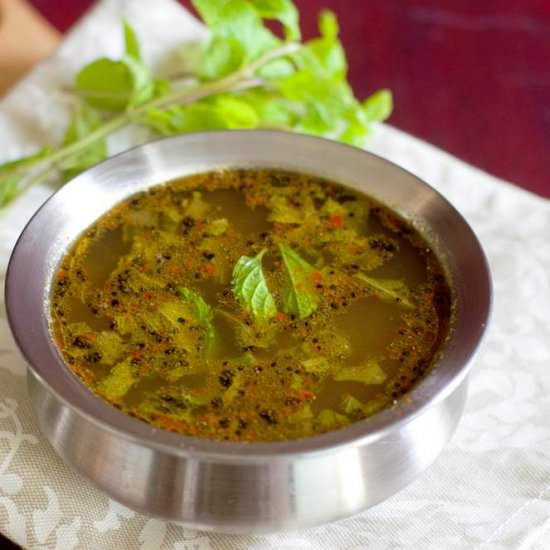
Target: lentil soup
[250,305]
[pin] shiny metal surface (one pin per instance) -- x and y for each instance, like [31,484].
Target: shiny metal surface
[239,487]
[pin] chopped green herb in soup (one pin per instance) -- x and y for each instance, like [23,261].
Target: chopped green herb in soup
[250,305]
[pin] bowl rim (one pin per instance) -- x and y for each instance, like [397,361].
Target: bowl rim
[86,404]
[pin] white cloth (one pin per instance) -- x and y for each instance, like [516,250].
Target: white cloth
[490,488]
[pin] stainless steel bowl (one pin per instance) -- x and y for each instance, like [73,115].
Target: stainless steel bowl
[243,487]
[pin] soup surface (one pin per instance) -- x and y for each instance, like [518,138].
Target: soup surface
[250,305]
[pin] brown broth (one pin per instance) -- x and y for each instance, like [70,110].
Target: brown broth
[146,309]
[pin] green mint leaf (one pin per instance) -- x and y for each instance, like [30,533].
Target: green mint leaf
[283,11]
[328,418]
[250,287]
[216,13]
[209,10]
[118,382]
[84,121]
[161,87]
[317,365]
[222,56]
[106,84]
[328,24]
[159,120]
[323,100]
[194,400]
[114,85]
[388,290]
[143,86]
[370,373]
[235,112]
[357,130]
[256,335]
[278,68]
[131,42]
[299,296]
[9,186]
[14,171]
[187,118]
[222,112]
[378,106]
[202,312]
[238,36]
[325,55]
[302,415]
[350,405]
[272,110]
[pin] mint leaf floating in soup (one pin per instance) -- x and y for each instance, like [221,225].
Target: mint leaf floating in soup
[190,307]
[254,335]
[368,373]
[328,418]
[118,382]
[316,364]
[202,313]
[388,290]
[299,296]
[350,405]
[250,287]
[201,310]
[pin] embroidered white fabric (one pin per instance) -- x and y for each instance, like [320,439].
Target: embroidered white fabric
[489,490]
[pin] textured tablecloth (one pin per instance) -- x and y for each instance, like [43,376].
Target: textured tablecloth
[490,488]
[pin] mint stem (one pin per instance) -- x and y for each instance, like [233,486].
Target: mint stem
[240,79]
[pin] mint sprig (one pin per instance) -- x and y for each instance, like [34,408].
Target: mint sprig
[201,312]
[299,295]
[247,77]
[250,287]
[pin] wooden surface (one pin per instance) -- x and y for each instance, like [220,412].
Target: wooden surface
[25,39]
[470,76]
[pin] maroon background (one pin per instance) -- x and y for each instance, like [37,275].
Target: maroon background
[470,76]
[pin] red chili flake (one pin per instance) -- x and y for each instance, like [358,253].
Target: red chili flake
[306,395]
[336,221]
[317,276]
[209,269]
[280,316]
[254,200]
